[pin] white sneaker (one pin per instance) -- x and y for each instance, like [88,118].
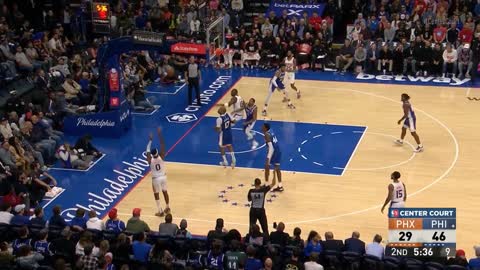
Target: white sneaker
[264,112]
[399,142]
[224,164]
[419,149]
[254,145]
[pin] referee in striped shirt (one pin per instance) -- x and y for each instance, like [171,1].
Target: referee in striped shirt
[193,76]
[256,197]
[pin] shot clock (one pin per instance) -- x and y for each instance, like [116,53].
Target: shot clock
[421,232]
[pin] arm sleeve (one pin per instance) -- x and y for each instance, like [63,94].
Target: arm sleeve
[274,81]
[219,122]
[149,145]
[270,150]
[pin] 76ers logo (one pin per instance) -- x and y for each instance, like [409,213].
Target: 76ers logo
[395,213]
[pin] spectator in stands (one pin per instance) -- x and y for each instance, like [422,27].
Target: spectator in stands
[42,246]
[372,58]
[375,248]
[313,264]
[345,57]
[423,57]
[167,227]
[385,60]
[397,55]
[73,91]
[279,237]
[6,156]
[218,233]
[22,240]
[354,244]
[28,259]
[234,256]
[313,244]
[6,257]
[114,224]
[19,218]
[332,244]
[437,60]
[135,224]
[252,263]
[319,54]
[38,220]
[57,220]
[71,158]
[464,60]
[439,33]
[5,128]
[449,60]
[122,248]
[360,58]
[62,67]
[88,261]
[141,249]
[79,222]
[474,263]
[64,246]
[86,240]
[296,240]
[5,213]
[94,223]
[251,53]
[389,33]
[459,259]
[255,237]
[182,232]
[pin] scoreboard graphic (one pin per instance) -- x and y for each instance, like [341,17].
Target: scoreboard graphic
[421,232]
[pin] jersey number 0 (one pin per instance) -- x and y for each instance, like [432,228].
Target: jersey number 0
[157,167]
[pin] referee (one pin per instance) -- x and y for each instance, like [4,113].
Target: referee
[192,75]
[256,197]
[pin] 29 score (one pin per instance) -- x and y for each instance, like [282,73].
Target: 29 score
[422,236]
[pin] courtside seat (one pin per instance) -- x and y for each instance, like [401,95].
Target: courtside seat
[434,266]
[331,259]
[455,267]
[351,260]
[392,263]
[372,263]
[109,235]
[413,264]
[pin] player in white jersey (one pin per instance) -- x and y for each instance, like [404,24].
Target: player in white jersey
[290,69]
[237,104]
[159,173]
[410,123]
[250,120]
[397,193]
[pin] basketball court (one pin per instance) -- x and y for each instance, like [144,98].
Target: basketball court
[337,156]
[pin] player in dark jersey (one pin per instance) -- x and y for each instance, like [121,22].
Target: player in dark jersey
[274,155]
[410,123]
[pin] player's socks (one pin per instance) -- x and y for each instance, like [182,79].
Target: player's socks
[234,160]
[225,161]
[160,211]
[254,145]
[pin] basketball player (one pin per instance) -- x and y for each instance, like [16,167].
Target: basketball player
[251,112]
[274,155]
[237,104]
[397,193]
[290,69]
[410,122]
[159,173]
[224,128]
[277,83]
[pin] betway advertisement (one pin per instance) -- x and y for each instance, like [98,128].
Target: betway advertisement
[125,164]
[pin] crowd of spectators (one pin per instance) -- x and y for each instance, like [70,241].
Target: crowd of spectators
[87,242]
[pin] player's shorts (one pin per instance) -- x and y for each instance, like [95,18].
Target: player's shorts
[272,88]
[397,204]
[289,78]
[276,158]
[410,123]
[225,139]
[159,183]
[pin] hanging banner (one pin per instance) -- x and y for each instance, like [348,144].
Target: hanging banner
[295,8]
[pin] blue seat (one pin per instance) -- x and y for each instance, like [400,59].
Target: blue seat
[413,264]
[371,262]
[434,266]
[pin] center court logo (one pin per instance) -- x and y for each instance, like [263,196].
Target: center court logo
[114,187]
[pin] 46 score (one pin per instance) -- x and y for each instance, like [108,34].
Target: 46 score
[422,236]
